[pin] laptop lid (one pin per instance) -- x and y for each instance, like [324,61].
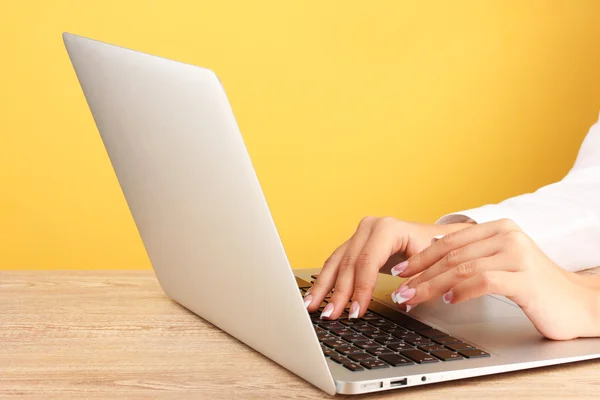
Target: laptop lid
[188,180]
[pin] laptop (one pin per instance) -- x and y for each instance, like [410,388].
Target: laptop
[181,162]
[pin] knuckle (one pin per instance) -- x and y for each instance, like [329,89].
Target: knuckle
[507,224]
[424,290]
[517,239]
[414,282]
[386,221]
[366,221]
[363,260]
[450,238]
[416,259]
[347,262]
[464,270]
[487,281]
[451,259]
[364,287]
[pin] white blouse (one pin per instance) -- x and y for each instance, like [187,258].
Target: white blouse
[562,218]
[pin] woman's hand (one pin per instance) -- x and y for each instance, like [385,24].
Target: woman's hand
[498,258]
[352,269]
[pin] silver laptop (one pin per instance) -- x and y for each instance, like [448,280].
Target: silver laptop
[183,167]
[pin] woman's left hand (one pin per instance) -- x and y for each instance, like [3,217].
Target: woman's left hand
[499,258]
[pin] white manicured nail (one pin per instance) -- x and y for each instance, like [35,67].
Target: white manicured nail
[398,269]
[408,308]
[404,296]
[354,310]
[307,301]
[327,311]
[436,238]
[447,298]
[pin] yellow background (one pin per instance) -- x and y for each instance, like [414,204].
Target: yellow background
[404,108]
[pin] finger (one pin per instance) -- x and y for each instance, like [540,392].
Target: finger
[382,244]
[473,251]
[442,283]
[326,279]
[344,283]
[503,283]
[453,241]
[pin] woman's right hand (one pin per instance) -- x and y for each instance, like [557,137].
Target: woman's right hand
[353,267]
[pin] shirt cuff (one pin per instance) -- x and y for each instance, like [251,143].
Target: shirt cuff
[479,215]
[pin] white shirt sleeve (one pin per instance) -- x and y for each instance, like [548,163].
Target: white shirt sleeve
[562,218]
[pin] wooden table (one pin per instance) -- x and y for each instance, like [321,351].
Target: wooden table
[98,335]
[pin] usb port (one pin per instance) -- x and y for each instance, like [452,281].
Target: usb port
[401,382]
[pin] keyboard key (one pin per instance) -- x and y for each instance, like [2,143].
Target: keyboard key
[399,346]
[446,355]
[447,340]
[319,330]
[353,322]
[370,316]
[359,357]
[476,353]
[347,350]
[378,322]
[343,331]
[353,366]
[330,325]
[460,346]
[418,341]
[377,351]
[325,336]
[364,328]
[406,334]
[419,357]
[367,345]
[339,359]
[395,360]
[432,333]
[392,328]
[333,343]
[376,334]
[328,352]
[374,364]
[314,276]
[354,338]
[433,347]
[388,340]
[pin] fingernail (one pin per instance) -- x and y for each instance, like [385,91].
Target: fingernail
[405,295]
[307,301]
[398,269]
[403,288]
[354,309]
[436,238]
[308,291]
[408,308]
[327,311]
[448,297]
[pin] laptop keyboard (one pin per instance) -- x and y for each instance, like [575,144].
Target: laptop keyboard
[374,341]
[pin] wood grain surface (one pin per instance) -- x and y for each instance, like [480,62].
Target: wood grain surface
[99,335]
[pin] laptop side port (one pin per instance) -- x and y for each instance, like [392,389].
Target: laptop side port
[399,382]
